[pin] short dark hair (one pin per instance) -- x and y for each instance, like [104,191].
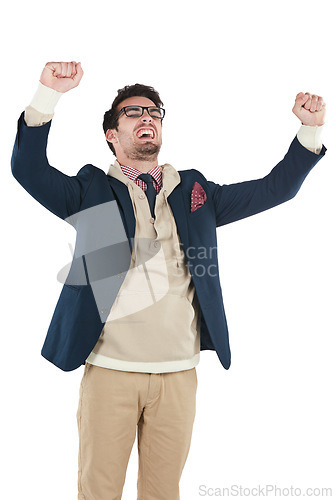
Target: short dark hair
[137,89]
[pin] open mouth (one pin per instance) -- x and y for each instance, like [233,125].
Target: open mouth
[146,133]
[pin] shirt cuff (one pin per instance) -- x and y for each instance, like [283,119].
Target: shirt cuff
[310,137]
[45,99]
[34,118]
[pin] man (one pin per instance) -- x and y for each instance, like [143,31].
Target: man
[143,296]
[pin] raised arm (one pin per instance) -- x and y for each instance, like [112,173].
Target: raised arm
[58,192]
[233,202]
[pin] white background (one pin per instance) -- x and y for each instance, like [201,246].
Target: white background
[228,74]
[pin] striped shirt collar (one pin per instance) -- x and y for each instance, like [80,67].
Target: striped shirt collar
[132,173]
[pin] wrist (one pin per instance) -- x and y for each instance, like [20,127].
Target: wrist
[305,125]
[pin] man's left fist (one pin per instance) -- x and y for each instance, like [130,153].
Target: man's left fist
[310,109]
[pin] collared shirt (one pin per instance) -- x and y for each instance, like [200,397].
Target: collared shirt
[133,173]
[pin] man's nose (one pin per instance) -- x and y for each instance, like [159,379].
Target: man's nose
[146,116]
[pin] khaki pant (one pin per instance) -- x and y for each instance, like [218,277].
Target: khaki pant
[112,405]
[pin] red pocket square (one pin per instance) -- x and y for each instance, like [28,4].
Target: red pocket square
[198,197]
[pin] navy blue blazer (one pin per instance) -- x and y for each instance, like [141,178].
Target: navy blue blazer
[77,321]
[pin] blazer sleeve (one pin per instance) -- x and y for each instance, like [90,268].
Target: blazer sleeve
[56,191]
[233,202]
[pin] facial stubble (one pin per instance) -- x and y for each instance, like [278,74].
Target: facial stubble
[144,152]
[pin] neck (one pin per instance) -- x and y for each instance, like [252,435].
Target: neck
[143,165]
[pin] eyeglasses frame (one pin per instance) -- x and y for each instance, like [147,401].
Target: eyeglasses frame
[143,109]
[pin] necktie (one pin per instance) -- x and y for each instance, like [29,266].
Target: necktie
[150,192]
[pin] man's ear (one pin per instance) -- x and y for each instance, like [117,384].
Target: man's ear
[111,135]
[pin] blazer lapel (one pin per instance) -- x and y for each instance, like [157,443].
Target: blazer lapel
[176,202]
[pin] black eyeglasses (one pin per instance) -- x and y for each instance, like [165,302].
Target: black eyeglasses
[137,111]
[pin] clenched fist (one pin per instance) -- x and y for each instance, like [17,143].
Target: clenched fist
[310,109]
[61,76]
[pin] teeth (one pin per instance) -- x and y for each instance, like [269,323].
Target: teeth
[145,131]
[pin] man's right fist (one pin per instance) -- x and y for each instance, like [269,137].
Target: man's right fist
[61,76]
